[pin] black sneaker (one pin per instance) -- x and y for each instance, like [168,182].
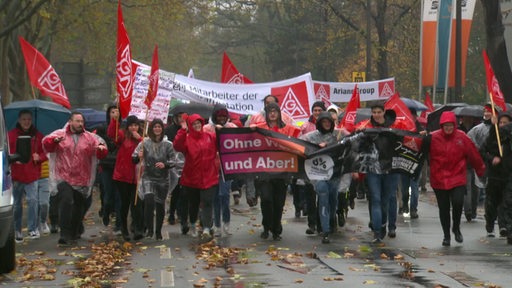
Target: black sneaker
[158,236]
[446,242]
[458,236]
[277,237]
[64,243]
[325,239]
[185,229]
[503,232]
[54,228]
[392,233]
[264,235]
[137,237]
[310,231]
[341,219]
[414,214]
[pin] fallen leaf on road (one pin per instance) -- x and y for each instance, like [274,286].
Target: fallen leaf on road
[333,255]
[369,282]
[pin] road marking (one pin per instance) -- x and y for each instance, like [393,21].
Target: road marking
[165,253]
[167,278]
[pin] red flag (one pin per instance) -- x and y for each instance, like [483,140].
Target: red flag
[430,106]
[349,119]
[404,118]
[230,74]
[153,80]
[124,69]
[42,75]
[492,84]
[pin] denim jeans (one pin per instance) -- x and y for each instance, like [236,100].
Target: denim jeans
[327,192]
[30,191]
[44,199]
[111,197]
[221,202]
[408,181]
[382,187]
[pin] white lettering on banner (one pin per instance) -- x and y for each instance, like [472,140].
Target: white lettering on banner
[342,91]
[242,144]
[242,99]
[319,168]
[238,165]
[268,163]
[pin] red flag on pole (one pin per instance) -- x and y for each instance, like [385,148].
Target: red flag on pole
[42,75]
[153,80]
[349,119]
[124,69]
[430,106]
[230,74]
[404,118]
[492,84]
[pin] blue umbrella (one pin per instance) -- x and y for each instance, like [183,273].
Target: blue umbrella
[93,118]
[46,116]
[411,103]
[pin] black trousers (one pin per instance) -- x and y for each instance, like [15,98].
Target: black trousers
[72,207]
[127,194]
[189,202]
[453,198]
[273,196]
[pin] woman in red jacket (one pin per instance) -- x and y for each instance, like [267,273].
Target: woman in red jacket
[124,175]
[200,177]
[449,150]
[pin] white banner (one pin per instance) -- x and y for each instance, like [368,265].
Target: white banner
[295,95]
[330,92]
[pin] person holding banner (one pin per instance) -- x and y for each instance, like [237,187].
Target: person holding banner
[200,177]
[382,182]
[449,151]
[327,190]
[124,176]
[219,119]
[273,190]
[310,195]
[158,156]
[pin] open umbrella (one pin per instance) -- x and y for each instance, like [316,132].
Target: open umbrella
[414,104]
[433,117]
[46,116]
[93,118]
[470,110]
[204,110]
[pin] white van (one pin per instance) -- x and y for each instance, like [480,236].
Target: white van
[7,244]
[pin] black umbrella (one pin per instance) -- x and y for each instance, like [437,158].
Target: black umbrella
[204,110]
[363,114]
[414,104]
[470,110]
[433,118]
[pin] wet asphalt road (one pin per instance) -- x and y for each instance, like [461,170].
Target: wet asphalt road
[415,258]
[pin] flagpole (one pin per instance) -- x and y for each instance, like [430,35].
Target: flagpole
[496,127]
[420,84]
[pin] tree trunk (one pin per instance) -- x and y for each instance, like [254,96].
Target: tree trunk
[496,48]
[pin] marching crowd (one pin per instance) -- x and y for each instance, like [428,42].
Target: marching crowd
[137,174]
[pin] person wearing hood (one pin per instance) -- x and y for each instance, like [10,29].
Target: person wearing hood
[200,177]
[219,119]
[124,176]
[327,190]
[304,195]
[73,157]
[25,176]
[273,190]
[109,195]
[170,131]
[158,156]
[478,135]
[449,151]
[497,174]
[382,182]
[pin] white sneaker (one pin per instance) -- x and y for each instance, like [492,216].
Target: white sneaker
[193,231]
[34,234]
[18,237]
[206,236]
[225,229]
[44,228]
[217,232]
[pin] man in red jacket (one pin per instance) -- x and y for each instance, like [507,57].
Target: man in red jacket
[26,175]
[449,150]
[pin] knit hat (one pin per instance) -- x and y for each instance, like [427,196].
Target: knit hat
[318,104]
[132,119]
